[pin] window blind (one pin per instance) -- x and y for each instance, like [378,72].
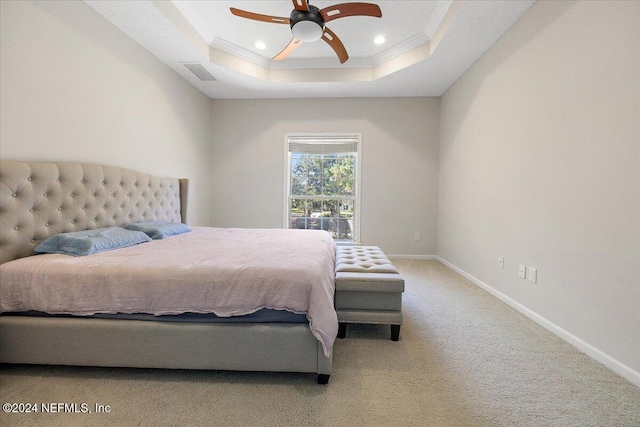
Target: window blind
[323,145]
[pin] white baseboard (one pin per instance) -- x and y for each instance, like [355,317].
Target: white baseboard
[423,257]
[599,355]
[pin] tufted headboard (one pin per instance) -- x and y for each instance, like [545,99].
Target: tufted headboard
[39,199]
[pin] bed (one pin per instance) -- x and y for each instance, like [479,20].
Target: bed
[39,199]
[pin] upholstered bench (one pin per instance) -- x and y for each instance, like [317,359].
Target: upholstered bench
[368,289]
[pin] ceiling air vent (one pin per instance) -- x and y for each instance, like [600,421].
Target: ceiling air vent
[200,72]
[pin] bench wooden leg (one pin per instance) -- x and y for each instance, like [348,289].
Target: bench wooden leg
[342,330]
[323,379]
[395,332]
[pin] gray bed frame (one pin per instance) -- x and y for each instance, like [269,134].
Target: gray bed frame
[39,199]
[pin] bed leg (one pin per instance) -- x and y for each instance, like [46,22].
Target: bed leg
[342,330]
[395,332]
[323,378]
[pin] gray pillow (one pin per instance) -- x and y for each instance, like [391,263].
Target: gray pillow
[80,243]
[159,229]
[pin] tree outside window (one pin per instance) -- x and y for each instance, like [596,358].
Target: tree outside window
[322,186]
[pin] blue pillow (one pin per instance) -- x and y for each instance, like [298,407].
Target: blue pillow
[80,243]
[159,229]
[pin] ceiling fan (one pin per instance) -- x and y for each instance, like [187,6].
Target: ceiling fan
[307,23]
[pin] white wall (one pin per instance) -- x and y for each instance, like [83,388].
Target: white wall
[75,88]
[540,163]
[399,163]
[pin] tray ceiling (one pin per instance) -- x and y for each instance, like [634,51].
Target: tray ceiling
[428,45]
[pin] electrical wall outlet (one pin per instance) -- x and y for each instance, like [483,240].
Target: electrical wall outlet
[532,274]
[501,261]
[416,236]
[522,271]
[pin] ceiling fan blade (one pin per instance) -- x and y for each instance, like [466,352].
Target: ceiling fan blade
[293,45]
[335,43]
[301,5]
[350,9]
[259,17]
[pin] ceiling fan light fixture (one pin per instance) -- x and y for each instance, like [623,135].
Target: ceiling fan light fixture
[307,25]
[307,31]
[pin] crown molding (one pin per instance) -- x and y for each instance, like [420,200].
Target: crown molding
[300,63]
[400,48]
[240,52]
[436,18]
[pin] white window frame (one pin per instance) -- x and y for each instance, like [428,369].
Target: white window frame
[358,174]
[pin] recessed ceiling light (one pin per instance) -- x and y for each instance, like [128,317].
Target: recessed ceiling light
[379,40]
[260,45]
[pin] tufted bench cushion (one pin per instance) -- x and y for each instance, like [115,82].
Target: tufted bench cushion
[363,259]
[368,289]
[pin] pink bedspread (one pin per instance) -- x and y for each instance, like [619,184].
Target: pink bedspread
[225,271]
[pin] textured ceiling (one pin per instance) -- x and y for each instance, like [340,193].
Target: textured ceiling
[429,45]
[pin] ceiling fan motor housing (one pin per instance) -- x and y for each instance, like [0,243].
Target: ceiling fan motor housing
[307,26]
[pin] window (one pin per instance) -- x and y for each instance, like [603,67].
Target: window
[323,184]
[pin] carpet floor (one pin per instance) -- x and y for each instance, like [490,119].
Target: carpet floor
[464,359]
